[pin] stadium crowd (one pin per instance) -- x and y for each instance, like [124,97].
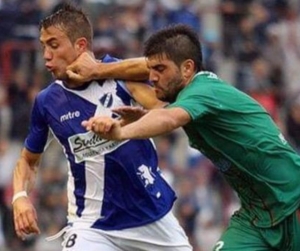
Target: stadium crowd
[254,44]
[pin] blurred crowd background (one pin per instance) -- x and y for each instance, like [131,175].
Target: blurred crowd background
[252,44]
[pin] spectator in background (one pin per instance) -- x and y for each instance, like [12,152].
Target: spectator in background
[5,125]
[232,11]
[293,121]
[26,29]
[18,90]
[130,29]
[105,38]
[262,89]
[287,34]
[188,14]
[246,50]
[157,16]
[61,4]
[8,15]
[187,209]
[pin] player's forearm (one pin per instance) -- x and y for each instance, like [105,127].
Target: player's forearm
[128,69]
[24,175]
[154,123]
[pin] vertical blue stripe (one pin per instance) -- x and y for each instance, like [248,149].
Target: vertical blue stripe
[78,173]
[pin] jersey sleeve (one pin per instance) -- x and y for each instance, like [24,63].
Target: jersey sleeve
[196,102]
[109,59]
[38,130]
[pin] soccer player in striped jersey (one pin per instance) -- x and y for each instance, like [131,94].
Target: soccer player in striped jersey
[118,199]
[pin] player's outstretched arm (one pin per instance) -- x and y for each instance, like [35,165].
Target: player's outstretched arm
[156,122]
[144,95]
[86,68]
[129,114]
[25,217]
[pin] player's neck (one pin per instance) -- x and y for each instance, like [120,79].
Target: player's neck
[188,80]
[75,85]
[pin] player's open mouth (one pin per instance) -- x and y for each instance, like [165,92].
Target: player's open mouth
[49,68]
[157,89]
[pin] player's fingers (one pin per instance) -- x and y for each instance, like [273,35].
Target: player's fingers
[108,125]
[20,228]
[25,219]
[128,111]
[122,109]
[20,224]
[84,123]
[29,224]
[120,112]
[88,124]
[34,228]
[20,234]
[73,75]
[98,126]
[32,219]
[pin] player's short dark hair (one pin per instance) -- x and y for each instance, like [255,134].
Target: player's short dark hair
[72,20]
[178,42]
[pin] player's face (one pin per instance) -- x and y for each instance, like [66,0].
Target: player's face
[58,51]
[166,77]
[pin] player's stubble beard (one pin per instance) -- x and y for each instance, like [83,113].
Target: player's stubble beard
[173,87]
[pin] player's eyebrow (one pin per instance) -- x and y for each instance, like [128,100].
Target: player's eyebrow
[48,41]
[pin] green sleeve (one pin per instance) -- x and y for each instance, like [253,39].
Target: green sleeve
[198,102]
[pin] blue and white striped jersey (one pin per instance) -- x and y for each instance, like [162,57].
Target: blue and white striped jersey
[112,185]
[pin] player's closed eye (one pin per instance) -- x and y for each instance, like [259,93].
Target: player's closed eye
[54,46]
[159,68]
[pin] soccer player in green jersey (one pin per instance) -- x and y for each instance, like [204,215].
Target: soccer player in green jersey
[232,130]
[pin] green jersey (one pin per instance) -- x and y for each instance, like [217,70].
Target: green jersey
[241,139]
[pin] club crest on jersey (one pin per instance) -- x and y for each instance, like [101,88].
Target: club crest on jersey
[146,175]
[106,100]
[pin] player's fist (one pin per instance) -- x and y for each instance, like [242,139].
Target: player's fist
[105,127]
[82,69]
[25,218]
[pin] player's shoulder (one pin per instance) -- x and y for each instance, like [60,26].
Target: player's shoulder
[53,87]
[207,76]
[107,58]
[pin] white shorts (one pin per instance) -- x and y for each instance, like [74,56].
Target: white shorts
[163,235]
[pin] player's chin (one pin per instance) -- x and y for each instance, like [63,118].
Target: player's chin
[162,97]
[61,76]
[159,94]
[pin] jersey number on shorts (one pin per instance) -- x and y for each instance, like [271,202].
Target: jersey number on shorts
[219,245]
[71,241]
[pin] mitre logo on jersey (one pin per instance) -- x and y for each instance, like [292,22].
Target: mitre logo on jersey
[106,100]
[70,115]
[86,146]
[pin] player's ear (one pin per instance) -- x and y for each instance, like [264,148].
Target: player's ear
[187,68]
[81,44]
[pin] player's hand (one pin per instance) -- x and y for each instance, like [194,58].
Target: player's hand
[82,69]
[105,127]
[25,218]
[129,114]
